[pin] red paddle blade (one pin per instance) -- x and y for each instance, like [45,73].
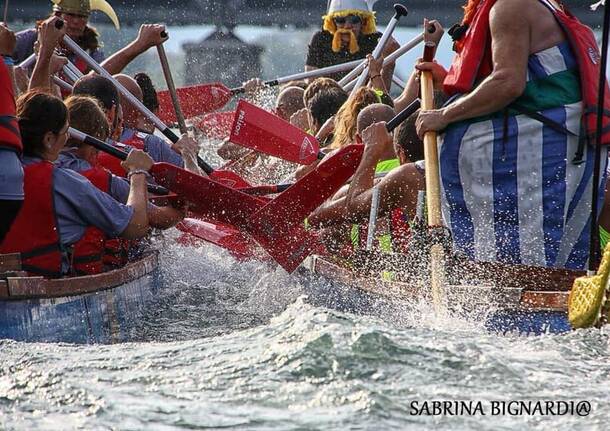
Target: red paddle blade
[279,224]
[229,179]
[239,245]
[195,100]
[216,125]
[262,131]
[208,198]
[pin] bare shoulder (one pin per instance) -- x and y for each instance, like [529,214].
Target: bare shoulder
[521,17]
[511,10]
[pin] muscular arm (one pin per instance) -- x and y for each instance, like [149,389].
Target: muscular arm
[332,212]
[149,35]
[164,217]
[398,189]
[510,33]
[138,200]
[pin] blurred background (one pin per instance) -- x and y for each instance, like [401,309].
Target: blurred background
[234,40]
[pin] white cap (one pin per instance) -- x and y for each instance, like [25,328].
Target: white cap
[366,6]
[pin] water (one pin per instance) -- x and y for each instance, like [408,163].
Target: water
[239,346]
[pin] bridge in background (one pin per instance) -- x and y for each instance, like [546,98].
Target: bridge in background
[299,13]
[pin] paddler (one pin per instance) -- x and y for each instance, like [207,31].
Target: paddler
[60,204]
[106,93]
[349,32]
[75,14]
[383,153]
[11,177]
[515,159]
[95,250]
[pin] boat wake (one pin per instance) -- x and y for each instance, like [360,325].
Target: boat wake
[207,293]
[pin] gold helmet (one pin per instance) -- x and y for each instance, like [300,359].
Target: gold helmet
[84,8]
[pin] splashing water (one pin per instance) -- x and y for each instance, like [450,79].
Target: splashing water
[240,345]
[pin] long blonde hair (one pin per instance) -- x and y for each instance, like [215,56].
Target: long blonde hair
[346,118]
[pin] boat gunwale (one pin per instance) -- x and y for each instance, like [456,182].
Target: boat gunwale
[20,288]
[506,297]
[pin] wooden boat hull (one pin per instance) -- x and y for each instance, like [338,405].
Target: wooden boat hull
[105,308]
[502,309]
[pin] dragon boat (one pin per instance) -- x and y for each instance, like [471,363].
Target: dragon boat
[507,298]
[101,308]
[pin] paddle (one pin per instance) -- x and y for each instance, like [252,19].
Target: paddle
[207,197]
[235,242]
[263,131]
[400,11]
[69,74]
[171,87]
[433,184]
[266,189]
[216,201]
[216,125]
[62,84]
[226,177]
[203,98]
[349,81]
[281,220]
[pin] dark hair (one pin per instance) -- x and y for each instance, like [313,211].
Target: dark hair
[318,85]
[98,87]
[406,138]
[87,116]
[149,93]
[325,103]
[39,113]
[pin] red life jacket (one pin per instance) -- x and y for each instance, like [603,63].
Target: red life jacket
[113,164]
[10,138]
[88,252]
[473,62]
[95,250]
[34,233]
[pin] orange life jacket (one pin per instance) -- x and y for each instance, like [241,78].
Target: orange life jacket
[34,233]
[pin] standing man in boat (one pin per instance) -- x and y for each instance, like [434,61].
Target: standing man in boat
[75,14]
[516,166]
[349,33]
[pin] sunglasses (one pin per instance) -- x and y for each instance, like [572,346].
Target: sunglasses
[351,19]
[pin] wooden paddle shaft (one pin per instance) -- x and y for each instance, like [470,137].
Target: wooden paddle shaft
[433,182]
[171,87]
[433,187]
